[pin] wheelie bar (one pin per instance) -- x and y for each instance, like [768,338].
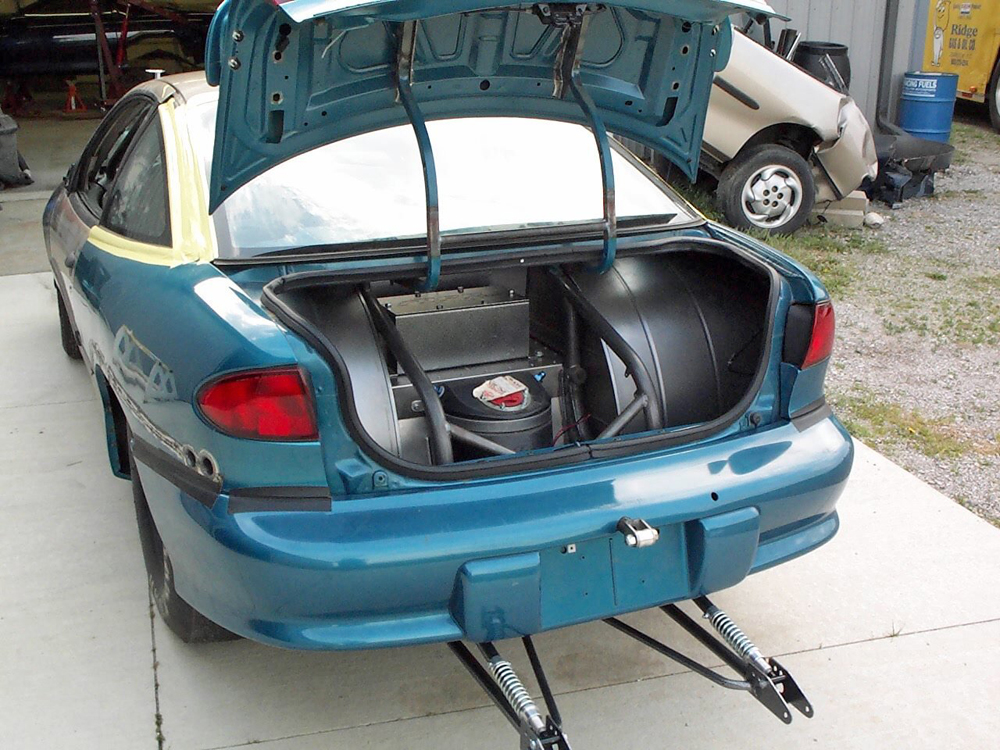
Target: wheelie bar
[763,677]
[506,690]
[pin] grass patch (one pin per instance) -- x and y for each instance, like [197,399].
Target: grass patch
[965,134]
[699,196]
[984,283]
[955,319]
[956,309]
[829,252]
[871,419]
[946,194]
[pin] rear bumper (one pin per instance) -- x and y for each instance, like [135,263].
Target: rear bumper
[483,561]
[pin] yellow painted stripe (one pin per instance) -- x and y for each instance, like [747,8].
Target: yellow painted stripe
[123,247]
[193,232]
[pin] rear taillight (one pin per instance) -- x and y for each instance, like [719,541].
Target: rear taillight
[809,334]
[821,340]
[272,404]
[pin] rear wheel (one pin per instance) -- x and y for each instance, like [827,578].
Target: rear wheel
[993,97]
[187,623]
[66,333]
[769,187]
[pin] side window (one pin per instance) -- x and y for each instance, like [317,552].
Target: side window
[137,206]
[104,154]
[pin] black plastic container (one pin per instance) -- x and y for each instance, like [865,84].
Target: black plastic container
[525,428]
[809,56]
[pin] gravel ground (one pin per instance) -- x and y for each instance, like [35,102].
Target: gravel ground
[918,354]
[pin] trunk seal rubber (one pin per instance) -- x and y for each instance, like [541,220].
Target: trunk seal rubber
[615,448]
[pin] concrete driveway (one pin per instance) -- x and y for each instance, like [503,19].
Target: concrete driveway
[893,629]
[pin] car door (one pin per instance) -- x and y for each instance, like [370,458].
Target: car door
[127,184]
[77,205]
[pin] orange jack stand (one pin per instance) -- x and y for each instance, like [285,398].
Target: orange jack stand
[73,101]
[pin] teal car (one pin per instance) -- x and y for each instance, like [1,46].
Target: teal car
[397,345]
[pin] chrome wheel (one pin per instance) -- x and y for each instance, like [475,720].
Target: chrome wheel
[772,197]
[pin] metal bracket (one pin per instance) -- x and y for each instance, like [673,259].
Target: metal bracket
[573,19]
[765,679]
[637,532]
[407,40]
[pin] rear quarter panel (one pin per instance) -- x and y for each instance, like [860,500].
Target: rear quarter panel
[783,92]
[156,333]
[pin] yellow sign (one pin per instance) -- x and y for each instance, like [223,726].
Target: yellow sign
[963,38]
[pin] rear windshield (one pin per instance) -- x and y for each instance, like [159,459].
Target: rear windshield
[493,174]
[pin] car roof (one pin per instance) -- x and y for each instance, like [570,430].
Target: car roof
[186,86]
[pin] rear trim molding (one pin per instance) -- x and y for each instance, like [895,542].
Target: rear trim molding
[183,477]
[736,93]
[812,413]
[254,499]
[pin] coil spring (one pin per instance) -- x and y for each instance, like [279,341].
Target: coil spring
[736,638]
[514,691]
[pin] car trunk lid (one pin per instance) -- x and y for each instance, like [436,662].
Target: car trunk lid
[297,74]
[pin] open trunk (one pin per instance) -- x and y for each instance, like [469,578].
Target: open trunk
[512,361]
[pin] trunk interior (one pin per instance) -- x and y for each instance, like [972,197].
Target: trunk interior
[513,360]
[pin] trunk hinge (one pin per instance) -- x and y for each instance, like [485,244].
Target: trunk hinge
[573,19]
[407,41]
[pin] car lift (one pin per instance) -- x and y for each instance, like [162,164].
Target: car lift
[764,678]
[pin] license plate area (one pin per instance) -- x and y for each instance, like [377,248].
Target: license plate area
[601,576]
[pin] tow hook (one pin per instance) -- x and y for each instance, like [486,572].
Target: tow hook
[637,532]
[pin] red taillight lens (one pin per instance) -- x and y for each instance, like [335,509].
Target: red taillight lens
[261,405]
[821,340]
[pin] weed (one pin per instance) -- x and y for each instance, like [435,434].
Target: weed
[936,276]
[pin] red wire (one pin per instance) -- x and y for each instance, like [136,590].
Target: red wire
[569,427]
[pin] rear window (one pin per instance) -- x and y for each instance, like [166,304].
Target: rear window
[493,173]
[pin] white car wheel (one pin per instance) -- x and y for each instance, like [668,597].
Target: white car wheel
[767,187]
[772,196]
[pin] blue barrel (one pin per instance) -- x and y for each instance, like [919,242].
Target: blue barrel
[928,104]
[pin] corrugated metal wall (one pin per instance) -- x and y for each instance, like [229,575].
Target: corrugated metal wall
[860,24]
[856,23]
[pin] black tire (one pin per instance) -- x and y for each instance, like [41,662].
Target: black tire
[774,174]
[184,620]
[993,96]
[66,333]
